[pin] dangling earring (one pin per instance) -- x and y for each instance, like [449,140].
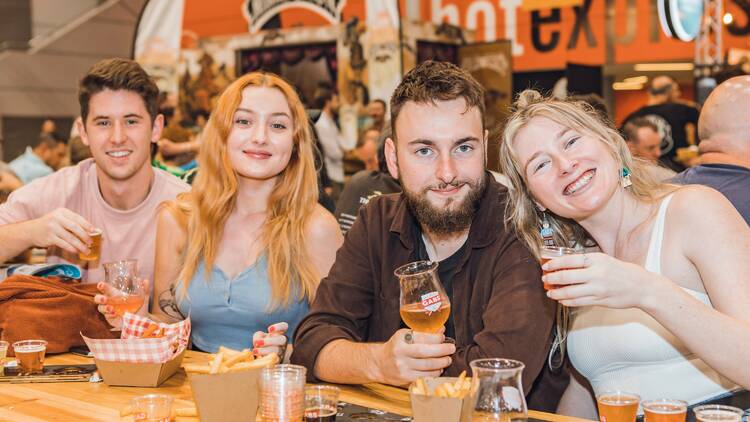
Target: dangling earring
[546,231]
[625,177]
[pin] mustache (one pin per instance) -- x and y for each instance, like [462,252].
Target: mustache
[453,184]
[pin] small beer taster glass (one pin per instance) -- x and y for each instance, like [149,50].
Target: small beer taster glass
[665,410]
[550,252]
[30,355]
[617,406]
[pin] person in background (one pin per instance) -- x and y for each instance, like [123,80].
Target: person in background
[78,150]
[450,211]
[42,160]
[724,161]
[244,251]
[364,186]
[376,112]
[364,156]
[654,312]
[675,117]
[331,139]
[48,127]
[642,137]
[116,192]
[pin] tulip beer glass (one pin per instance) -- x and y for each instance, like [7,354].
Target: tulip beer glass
[128,294]
[424,305]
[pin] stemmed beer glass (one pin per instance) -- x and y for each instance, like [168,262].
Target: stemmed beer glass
[424,305]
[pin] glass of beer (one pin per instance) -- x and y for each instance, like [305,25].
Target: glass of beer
[152,408]
[3,353]
[424,305]
[617,406]
[128,293]
[665,410]
[30,355]
[717,413]
[96,247]
[321,403]
[550,252]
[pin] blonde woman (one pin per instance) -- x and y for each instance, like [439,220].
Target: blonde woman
[663,310]
[243,252]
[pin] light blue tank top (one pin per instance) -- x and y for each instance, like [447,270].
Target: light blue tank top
[226,312]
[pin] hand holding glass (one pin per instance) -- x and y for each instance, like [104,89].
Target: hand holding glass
[550,252]
[424,305]
[127,292]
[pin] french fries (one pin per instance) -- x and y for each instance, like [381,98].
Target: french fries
[457,389]
[228,360]
[153,331]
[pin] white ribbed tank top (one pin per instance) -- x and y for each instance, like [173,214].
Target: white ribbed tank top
[628,350]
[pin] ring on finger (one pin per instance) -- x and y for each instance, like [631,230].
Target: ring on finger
[409,337]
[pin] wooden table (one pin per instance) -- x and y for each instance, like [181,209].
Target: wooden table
[83,401]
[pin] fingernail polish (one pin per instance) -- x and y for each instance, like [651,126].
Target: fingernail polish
[271,329]
[258,343]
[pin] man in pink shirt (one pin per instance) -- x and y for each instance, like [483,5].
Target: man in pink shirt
[117,191]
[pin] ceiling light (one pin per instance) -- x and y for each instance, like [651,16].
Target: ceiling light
[662,67]
[627,86]
[636,79]
[727,19]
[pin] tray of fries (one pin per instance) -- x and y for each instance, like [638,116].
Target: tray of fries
[146,354]
[444,399]
[226,387]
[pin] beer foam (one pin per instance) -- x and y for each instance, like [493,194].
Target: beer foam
[30,348]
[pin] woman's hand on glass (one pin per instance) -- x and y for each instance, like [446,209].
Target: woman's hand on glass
[596,279]
[272,341]
[113,305]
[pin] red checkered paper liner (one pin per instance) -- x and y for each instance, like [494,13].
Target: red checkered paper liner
[131,348]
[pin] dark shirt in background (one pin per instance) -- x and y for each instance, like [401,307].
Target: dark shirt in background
[679,118]
[732,181]
[358,191]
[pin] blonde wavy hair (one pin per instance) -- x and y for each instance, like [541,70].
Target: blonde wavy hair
[292,202]
[521,211]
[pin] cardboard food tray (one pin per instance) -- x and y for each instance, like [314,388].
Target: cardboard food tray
[128,374]
[427,408]
[231,396]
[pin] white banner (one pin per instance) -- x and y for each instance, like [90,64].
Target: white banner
[157,43]
[382,49]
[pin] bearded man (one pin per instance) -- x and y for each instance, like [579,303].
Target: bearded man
[451,211]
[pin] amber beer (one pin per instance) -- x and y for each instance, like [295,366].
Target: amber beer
[96,247]
[617,406]
[550,252]
[416,317]
[126,303]
[665,410]
[30,355]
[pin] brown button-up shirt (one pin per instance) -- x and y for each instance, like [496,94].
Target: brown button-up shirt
[499,306]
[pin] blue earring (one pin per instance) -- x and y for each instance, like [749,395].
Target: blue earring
[546,231]
[625,177]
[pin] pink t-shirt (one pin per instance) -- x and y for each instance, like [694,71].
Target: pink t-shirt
[127,234]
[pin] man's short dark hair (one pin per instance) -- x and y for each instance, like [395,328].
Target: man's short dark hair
[50,140]
[378,100]
[118,74]
[433,81]
[630,129]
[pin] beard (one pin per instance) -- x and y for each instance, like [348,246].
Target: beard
[446,221]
